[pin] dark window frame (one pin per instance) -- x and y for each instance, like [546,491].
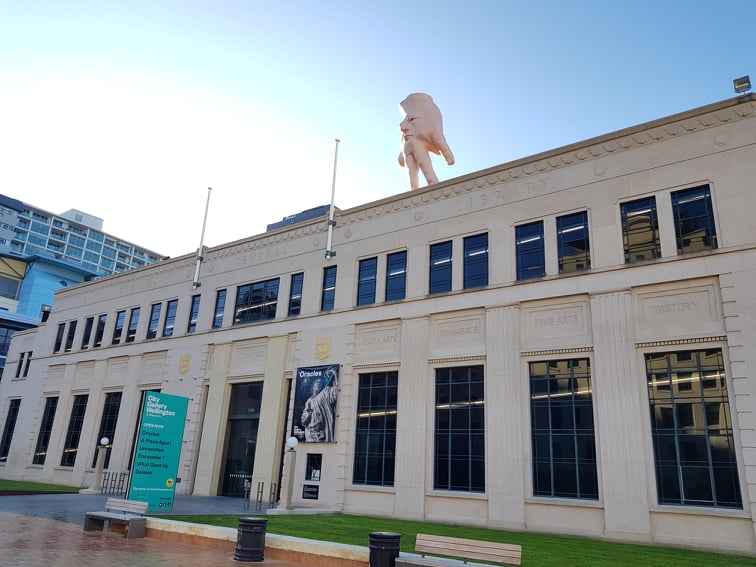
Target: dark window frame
[692,431]
[73,433]
[459,456]
[257,301]
[640,230]
[191,325]
[87,334]
[133,324]
[45,431]
[169,323]
[10,426]
[530,251]
[220,308]
[475,261]
[573,242]
[562,429]
[108,421]
[440,269]
[396,276]
[375,429]
[367,279]
[154,323]
[118,327]
[693,213]
[295,294]
[328,294]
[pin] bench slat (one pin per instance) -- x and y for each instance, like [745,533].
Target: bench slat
[469,548]
[123,505]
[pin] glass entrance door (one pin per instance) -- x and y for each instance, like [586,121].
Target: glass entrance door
[241,437]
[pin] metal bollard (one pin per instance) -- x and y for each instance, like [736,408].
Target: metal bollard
[384,548]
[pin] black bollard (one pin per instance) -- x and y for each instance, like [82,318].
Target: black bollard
[250,539]
[384,548]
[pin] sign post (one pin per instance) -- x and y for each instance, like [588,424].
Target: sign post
[158,449]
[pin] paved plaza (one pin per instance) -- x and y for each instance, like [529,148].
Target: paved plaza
[42,530]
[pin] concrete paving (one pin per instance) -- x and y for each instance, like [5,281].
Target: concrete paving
[47,529]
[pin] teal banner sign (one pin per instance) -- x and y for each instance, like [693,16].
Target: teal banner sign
[156,459]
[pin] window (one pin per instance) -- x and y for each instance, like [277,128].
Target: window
[256,302]
[20,364]
[87,336]
[45,430]
[193,314]
[640,230]
[71,444]
[562,431]
[531,262]
[9,287]
[10,426]
[572,243]
[694,220]
[101,320]
[396,276]
[133,323]
[170,318]
[366,281]
[59,337]
[108,424]
[328,297]
[152,329]
[460,430]
[314,466]
[476,261]
[118,329]
[440,276]
[220,306]
[295,294]
[70,336]
[28,362]
[375,436]
[691,429]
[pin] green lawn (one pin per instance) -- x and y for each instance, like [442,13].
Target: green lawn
[22,485]
[537,549]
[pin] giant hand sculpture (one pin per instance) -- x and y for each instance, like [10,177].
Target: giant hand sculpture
[422,132]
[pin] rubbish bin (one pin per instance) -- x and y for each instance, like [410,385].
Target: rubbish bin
[250,539]
[384,548]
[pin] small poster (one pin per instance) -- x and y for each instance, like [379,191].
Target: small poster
[314,419]
[158,449]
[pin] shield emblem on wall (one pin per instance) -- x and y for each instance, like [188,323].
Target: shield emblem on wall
[322,349]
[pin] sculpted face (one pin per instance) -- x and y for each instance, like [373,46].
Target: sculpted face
[422,132]
[422,118]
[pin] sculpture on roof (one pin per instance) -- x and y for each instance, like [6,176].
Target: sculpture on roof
[422,132]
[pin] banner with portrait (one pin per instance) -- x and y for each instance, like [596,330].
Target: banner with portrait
[315,396]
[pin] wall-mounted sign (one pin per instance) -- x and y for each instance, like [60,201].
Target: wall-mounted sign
[310,491]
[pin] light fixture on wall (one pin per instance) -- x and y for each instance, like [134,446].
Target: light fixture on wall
[742,84]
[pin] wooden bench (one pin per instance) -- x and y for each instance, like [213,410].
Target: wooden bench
[502,553]
[126,513]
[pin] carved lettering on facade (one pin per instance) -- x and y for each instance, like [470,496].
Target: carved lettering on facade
[258,256]
[556,322]
[674,307]
[378,343]
[459,332]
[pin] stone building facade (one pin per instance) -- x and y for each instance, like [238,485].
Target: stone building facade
[562,343]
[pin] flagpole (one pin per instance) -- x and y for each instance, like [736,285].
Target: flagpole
[196,283]
[331,223]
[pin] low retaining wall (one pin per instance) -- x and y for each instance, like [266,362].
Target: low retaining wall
[309,552]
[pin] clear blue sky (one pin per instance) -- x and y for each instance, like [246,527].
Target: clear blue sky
[130,110]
